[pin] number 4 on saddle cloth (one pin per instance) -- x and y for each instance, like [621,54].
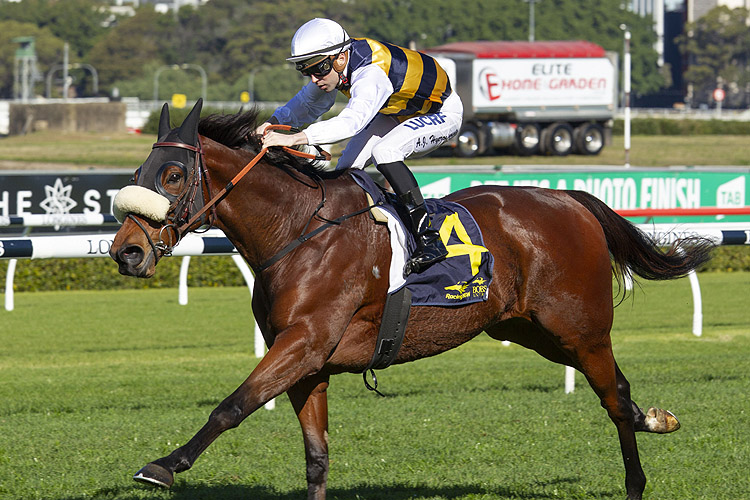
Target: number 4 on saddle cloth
[465,274]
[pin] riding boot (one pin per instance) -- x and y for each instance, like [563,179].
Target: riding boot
[430,248]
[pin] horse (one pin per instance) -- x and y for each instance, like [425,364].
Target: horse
[555,254]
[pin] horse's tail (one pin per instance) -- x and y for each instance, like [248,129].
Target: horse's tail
[634,252]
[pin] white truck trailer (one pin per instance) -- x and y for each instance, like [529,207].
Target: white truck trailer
[554,98]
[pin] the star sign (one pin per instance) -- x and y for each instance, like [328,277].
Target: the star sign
[58,200]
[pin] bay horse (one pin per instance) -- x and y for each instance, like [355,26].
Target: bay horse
[555,253]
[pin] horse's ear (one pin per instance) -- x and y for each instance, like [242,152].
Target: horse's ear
[189,129]
[164,127]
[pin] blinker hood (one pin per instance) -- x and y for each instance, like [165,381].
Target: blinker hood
[148,197]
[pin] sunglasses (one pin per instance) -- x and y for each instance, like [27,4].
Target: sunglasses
[318,70]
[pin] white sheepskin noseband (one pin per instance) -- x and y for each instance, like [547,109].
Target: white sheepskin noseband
[141,201]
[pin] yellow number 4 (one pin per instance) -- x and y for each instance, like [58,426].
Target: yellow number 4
[466,247]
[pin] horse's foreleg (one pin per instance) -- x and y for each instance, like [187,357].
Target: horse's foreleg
[310,402]
[287,362]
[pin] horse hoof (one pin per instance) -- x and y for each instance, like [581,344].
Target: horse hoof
[661,421]
[155,475]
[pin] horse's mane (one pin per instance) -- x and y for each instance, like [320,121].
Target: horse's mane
[237,131]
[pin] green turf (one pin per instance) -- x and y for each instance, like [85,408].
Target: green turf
[96,384]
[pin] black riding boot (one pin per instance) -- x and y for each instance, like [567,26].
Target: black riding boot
[429,247]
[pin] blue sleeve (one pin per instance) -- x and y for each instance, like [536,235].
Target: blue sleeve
[305,107]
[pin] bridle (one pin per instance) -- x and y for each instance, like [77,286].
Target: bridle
[177,222]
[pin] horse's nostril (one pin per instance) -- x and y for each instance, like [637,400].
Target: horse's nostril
[130,254]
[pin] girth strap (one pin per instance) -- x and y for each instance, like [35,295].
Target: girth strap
[390,335]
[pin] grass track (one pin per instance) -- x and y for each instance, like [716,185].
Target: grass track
[95,384]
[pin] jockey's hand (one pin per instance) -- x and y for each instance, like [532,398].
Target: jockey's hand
[277,139]
[261,128]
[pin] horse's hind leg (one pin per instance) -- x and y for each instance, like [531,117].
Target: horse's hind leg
[598,365]
[654,420]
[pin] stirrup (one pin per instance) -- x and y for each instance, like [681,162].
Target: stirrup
[424,256]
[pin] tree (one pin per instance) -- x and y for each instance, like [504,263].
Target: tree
[78,22]
[239,40]
[718,49]
[125,52]
[48,52]
[433,23]
[235,37]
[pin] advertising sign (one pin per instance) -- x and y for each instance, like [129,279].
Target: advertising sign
[642,188]
[60,193]
[543,82]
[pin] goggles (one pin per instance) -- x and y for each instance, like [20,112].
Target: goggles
[319,69]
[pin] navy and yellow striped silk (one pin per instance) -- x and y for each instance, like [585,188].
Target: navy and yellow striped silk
[420,85]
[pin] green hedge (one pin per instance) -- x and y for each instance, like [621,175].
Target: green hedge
[670,126]
[102,274]
[213,271]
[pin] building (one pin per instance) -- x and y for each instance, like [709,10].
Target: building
[670,18]
[698,8]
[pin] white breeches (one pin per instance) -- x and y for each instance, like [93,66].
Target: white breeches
[385,140]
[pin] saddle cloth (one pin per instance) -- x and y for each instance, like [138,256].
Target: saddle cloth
[462,278]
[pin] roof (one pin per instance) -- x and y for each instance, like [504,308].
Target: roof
[515,49]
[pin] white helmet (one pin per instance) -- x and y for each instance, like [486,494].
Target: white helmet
[318,37]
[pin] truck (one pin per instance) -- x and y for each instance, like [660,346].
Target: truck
[528,98]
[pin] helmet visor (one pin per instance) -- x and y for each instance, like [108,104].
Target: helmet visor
[315,66]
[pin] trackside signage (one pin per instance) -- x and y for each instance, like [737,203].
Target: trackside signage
[85,192]
[543,82]
[634,188]
[58,195]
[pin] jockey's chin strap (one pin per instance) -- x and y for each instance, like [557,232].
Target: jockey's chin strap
[321,155]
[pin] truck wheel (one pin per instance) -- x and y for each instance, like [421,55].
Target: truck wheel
[589,139]
[527,139]
[468,143]
[559,139]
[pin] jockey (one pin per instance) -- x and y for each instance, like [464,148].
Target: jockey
[400,105]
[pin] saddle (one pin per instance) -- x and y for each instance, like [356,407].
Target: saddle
[462,278]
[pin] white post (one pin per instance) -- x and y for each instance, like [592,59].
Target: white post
[627,280]
[9,284]
[532,26]
[66,76]
[570,379]
[182,287]
[626,85]
[697,304]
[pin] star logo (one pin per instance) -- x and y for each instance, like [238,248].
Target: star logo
[58,200]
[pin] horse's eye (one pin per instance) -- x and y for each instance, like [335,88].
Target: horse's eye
[170,179]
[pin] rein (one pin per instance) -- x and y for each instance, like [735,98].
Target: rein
[322,155]
[297,242]
[202,172]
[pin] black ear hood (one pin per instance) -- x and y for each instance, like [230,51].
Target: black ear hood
[188,131]
[148,197]
[164,126]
